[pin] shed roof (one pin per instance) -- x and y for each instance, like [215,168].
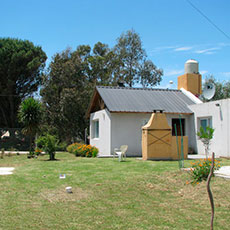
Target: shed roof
[124,99]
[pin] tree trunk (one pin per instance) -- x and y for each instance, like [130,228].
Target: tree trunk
[206,152]
[52,156]
[30,143]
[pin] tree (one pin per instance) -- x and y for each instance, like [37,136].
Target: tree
[72,76]
[65,94]
[68,85]
[48,143]
[102,64]
[30,114]
[222,90]
[133,66]
[21,65]
[206,135]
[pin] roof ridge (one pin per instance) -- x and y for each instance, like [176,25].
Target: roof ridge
[147,89]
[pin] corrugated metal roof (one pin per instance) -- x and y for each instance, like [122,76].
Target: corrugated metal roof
[122,99]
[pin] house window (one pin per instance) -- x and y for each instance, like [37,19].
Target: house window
[177,129]
[96,129]
[204,122]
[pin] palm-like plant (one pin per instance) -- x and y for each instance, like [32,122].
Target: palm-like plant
[30,114]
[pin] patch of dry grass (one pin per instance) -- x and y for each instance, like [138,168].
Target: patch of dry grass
[60,195]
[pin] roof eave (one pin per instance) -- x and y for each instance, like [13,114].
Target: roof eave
[184,113]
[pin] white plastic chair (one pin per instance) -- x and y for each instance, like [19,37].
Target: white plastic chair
[121,152]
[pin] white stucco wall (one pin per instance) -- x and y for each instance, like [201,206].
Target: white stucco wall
[126,129]
[103,143]
[220,122]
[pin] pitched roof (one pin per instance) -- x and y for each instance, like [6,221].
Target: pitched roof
[123,99]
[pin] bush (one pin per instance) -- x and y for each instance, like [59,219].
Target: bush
[38,151]
[61,146]
[48,144]
[201,168]
[71,148]
[82,150]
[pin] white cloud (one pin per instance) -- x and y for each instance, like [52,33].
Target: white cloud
[173,72]
[184,48]
[202,72]
[207,51]
[162,48]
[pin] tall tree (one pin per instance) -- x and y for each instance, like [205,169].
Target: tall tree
[102,64]
[21,64]
[69,84]
[72,76]
[65,94]
[133,66]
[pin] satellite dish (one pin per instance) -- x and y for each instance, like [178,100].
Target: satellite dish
[209,91]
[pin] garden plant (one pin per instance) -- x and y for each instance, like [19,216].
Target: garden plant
[82,150]
[48,143]
[30,115]
[206,135]
[201,168]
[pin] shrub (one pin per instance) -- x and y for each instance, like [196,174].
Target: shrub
[201,168]
[61,146]
[38,151]
[48,143]
[71,148]
[82,150]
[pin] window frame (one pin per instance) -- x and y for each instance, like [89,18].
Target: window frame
[183,121]
[208,119]
[96,129]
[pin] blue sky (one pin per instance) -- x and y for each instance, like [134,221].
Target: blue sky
[171,30]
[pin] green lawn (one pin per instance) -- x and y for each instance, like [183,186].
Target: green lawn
[107,194]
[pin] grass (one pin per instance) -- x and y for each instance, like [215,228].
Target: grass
[107,194]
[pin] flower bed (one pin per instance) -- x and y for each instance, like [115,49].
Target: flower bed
[82,150]
[201,168]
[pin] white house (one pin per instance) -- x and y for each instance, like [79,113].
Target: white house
[117,114]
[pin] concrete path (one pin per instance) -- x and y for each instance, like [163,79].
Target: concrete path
[6,170]
[197,157]
[224,172]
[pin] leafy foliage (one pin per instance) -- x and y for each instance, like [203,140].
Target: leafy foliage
[65,95]
[205,136]
[30,114]
[72,76]
[82,150]
[133,66]
[21,65]
[201,168]
[48,144]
